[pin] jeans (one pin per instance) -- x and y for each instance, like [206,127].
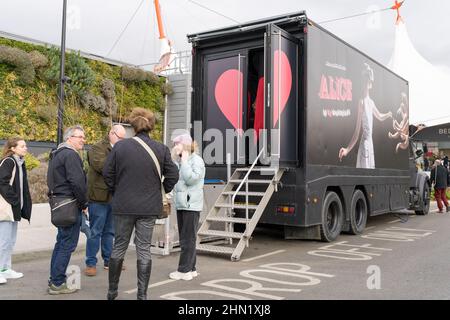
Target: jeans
[8,235]
[187,230]
[66,243]
[102,233]
[124,225]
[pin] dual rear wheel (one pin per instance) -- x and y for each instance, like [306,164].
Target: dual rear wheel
[333,217]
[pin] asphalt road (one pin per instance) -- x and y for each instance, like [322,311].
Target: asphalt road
[391,260]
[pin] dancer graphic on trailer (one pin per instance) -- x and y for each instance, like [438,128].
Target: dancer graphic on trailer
[366,111]
[401,128]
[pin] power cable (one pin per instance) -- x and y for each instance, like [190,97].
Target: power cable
[124,29]
[354,16]
[197,19]
[214,11]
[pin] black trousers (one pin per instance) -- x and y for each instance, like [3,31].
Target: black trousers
[187,230]
[124,225]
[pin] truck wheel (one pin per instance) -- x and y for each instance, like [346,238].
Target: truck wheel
[425,201]
[358,213]
[332,217]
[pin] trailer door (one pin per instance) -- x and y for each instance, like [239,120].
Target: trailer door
[281,95]
[223,107]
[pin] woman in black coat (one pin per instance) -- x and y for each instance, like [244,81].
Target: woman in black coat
[15,202]
[132,177]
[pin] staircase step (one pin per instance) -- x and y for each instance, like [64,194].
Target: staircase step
[243,193]
[237,181]
[236,206]
[216,249]
[260,169]
[228,219]
[225,234]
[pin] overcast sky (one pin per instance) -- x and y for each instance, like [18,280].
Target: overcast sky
[94,26]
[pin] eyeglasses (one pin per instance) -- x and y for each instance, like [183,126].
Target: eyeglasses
[80,137]
[118,137]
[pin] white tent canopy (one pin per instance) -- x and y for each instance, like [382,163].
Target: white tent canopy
[428,85]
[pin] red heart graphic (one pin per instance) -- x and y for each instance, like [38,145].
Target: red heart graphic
[226,93]
[286,83]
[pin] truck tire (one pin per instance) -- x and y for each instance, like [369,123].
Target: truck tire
[425,205]
[332,217]
[358,212]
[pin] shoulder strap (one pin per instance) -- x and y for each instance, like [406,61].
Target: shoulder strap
[151,153]
[50,174]
[11,181]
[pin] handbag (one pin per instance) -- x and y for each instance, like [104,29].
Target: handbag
[165,201]
[6,213]
[64,210]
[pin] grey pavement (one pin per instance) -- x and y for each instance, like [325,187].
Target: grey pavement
[38,237]
[413,258]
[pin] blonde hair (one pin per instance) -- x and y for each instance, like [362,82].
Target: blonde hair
[192,148]
[11,143]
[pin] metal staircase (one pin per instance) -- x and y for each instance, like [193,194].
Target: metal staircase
[236,206]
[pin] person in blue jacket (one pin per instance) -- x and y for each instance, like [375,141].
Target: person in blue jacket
[188,196]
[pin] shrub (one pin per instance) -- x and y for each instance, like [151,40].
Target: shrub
[81,75]
[93,102]
[152,78]
[47,113]
[109,93]
[38,59]
[166,89]
[31,162]
[130,74]
[19,59]
[44,157]
[37,180]
[106,122]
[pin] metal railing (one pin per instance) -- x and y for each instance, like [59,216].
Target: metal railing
[245,180]
[180,63]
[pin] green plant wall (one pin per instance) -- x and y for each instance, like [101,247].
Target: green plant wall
[30,109]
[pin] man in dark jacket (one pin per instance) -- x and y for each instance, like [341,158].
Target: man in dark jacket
[65,177]
[100,215]
[439,177]
[132,177]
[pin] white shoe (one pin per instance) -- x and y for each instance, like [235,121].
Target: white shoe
[11,274]
[180,275]
[3,280]
[194,274]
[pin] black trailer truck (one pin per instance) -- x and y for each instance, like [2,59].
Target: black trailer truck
[316,132]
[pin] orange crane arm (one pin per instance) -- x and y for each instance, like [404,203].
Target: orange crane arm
[158,17]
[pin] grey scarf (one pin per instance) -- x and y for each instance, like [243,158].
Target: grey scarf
[20,162]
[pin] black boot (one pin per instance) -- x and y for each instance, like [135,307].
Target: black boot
[115,268]
[144,269]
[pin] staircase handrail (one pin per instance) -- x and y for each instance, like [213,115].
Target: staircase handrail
[245,178]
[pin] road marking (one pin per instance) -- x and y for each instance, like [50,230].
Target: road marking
[264,255]
[152,285]
[357,252]
[398,234]
[398,220]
